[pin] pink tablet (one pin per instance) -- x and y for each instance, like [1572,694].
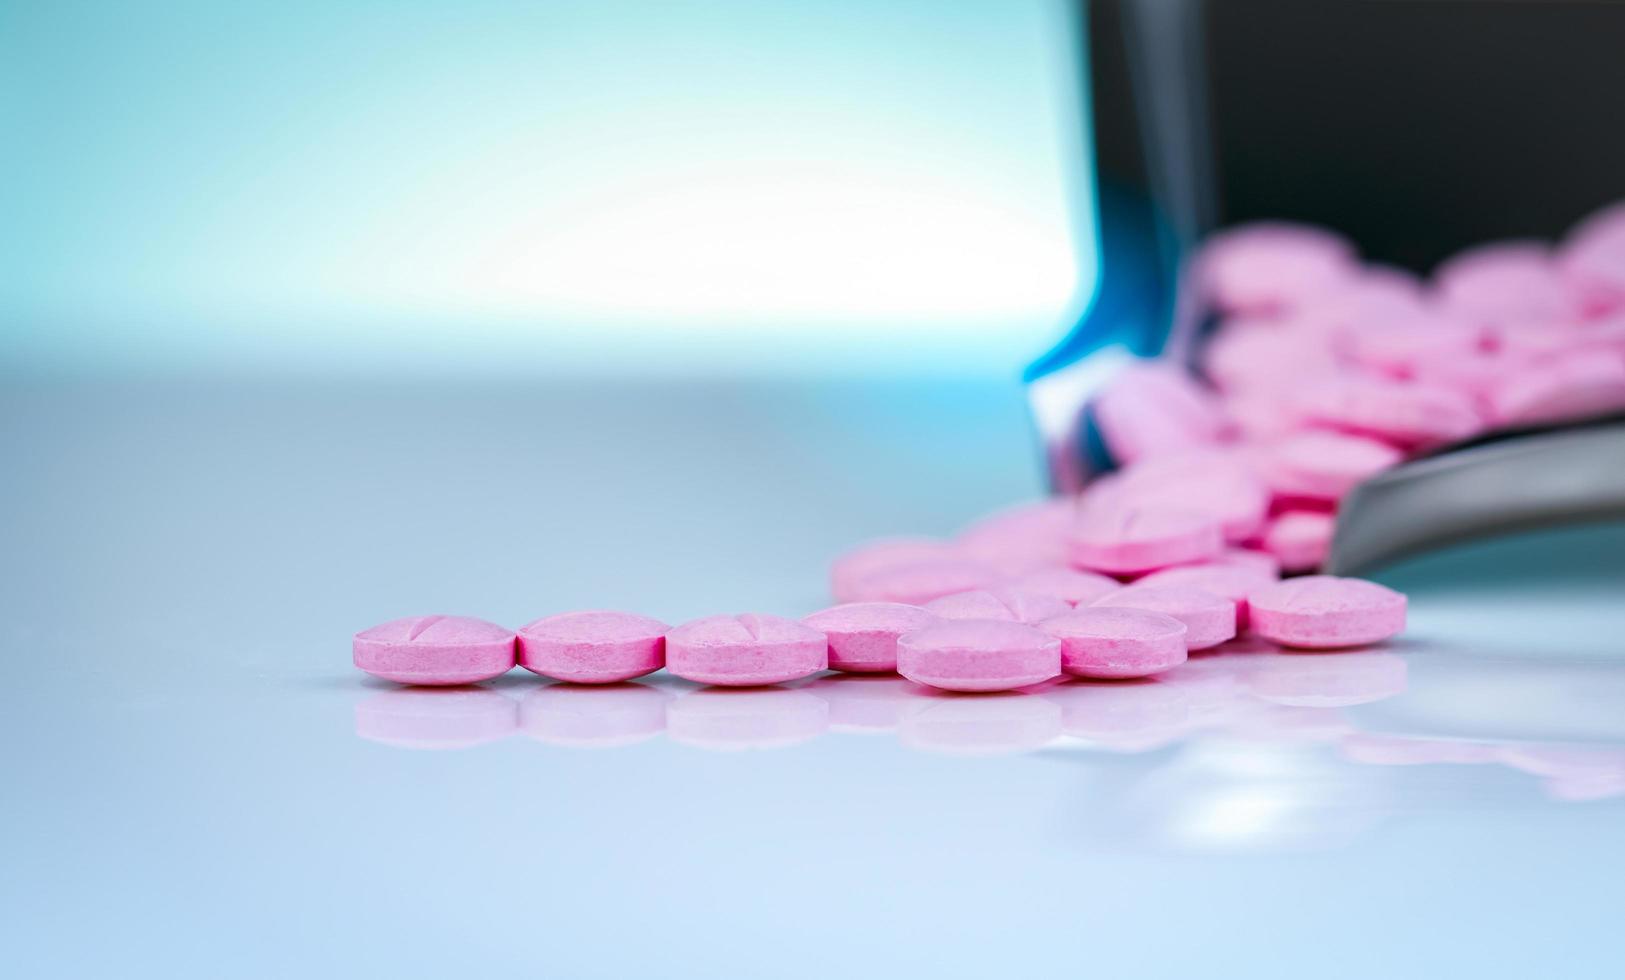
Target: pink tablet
[593,647]
[1209,619]
[1131,539]
[435,650]
[978,655]
[1110,642]
[745,650]
[1325,611]
[863,635]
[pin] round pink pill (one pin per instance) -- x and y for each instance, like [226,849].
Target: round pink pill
[848,571]
[1323,611]
[1233,582]
[1007,604]
[435,650]
[978,655]
[1325,465]
[593,647]
[1108,642]
[863,635]
[1130,539]
[1215,483]
[1155,409]
[1209,619]
[1578,386]
[745,650]
[1300,539]
[1408,413]
[1070,585]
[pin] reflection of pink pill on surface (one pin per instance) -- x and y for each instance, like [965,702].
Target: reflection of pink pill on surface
[1578,386]
[867,704]
[597,716]
[919,582]
[449,718]
[993,724]
[1127,715]
[1209,619]
[848,571]
[1111,642]
[863,635]
[593,646]
[1070,585]
[1232,582]
[435,650]
[978,655]
[1323,611]
[998,603]
[1408,413]
[1327,680]
[1300,539]
[1325,465]
[733,720]
[1126,540]
[745,650]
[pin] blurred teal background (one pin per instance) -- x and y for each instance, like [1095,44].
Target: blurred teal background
[756,186]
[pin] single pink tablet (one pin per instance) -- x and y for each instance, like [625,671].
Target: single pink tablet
[978,655]
[1578,386]
[745,650]
[1217,483]
[1272,266]
[1155,409]
[1233,582]
[1325,465]
[1109,642]
[1406,413]
[917,583]
[593,647]
[863,635]
[1322,611]
[1592,260]
[1209,619]
[1070,585]
[1130,539]
[1300,539]
[1397,347]
[998,603]
[1505,280]
[435,650]
[848,571]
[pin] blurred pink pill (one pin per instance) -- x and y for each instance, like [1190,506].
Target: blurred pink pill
[593,647]
[745,650]
[435,650]
[1232,582]
[1070,585]
[1269,267]
[1505,280]
[1209,619]
[456,718]
[998,603]
[1259,356]
[1252,560]
[1220,484]
[978,655]
[848,571]
[1408,413]
[1578,386]
[600,716]
[1021,538]
[1400,347]
[919,582]
[1155,409]
[1107,642]
[863,635]
[1325,465]
[1127,540]
[1322,611]
[1300,539]
[1592,260]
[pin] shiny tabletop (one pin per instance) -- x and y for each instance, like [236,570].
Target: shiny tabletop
[199,784]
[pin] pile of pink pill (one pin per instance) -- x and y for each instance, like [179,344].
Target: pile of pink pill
[1321,372]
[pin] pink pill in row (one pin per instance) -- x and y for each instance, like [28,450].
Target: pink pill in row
[1209,619]
[863,636]
[1109,642]
[978,655]
[435,650]
[1323,611]
[745,650]
[593,646]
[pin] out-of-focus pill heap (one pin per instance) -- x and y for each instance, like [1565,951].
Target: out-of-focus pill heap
[1320,371]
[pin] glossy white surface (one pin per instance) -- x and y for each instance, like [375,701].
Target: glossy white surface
[199,784]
